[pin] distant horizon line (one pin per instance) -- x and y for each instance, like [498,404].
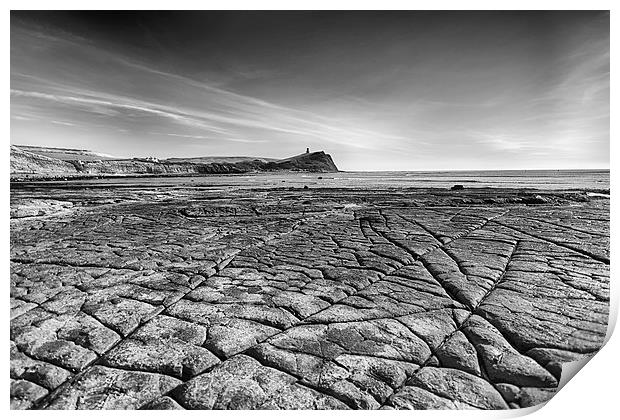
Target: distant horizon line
[485,170]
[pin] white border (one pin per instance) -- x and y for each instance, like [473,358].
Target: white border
[592,394]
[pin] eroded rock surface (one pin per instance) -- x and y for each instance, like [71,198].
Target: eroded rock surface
[163,298]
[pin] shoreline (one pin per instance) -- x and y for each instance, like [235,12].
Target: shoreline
[69,185]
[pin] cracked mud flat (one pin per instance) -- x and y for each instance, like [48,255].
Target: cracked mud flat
[180,298]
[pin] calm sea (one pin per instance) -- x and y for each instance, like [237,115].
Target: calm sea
[540,179]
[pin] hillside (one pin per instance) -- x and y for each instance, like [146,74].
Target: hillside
[218,159]
[311,162]
[32,163]
[26,164]
[66,154]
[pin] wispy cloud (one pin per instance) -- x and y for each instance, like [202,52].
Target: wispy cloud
[200,106]
[185,136]
[110,102]
[230,113]
[65,123]
[254,112]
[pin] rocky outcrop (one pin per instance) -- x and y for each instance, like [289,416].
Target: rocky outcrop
[311,162]
[34,165]
[32,208]
[139,166]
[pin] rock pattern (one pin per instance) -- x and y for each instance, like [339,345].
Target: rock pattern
[137,298]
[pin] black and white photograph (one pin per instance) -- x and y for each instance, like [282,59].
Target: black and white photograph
[306,209]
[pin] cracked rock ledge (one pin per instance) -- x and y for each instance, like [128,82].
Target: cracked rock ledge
[138,298]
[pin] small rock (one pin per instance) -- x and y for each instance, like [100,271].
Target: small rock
[536,199]
[24,394]
[414,398]
[163,403]
[105,388]
[501,361]
[535,396]
[459,386]
[509,392]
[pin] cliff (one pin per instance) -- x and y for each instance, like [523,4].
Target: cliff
[32,163]
[65,153]
[25,164]
[310,162]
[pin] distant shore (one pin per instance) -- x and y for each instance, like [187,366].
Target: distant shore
[594,181]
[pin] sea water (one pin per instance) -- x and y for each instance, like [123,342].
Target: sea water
[521,179]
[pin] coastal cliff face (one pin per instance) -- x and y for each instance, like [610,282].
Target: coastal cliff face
[142,167]
[32,165]
[310,162]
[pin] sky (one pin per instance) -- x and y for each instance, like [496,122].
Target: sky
[403,90]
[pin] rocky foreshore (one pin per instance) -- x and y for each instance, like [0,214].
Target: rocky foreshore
[172,298]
